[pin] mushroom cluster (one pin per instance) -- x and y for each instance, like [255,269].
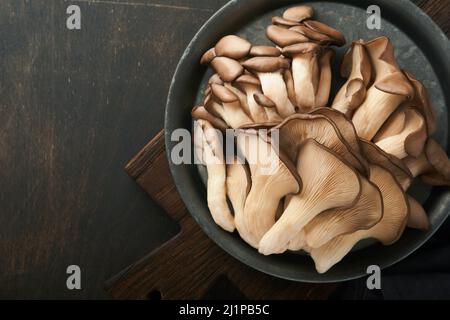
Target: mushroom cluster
[339,171]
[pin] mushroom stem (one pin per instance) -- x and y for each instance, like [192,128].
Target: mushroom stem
[419,165]
[305,71]
[374,111]
[274,87]
[209,150]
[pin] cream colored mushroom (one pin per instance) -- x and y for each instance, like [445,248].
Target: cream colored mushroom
[328,183]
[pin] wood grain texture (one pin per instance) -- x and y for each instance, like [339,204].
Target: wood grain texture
[189,264]
[75,106]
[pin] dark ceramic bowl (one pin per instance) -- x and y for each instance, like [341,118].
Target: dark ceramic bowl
[421,47]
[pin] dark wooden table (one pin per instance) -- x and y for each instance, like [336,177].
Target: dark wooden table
[75,106]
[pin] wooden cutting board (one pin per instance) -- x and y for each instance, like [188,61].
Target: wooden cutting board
[190,265]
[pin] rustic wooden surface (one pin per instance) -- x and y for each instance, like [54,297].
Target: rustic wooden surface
[74,107]
[189,265]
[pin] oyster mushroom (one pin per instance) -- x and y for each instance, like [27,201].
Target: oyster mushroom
[273,177]
[381,101]
[200,113]
[270,73]
[432,165]
[284,23]
[225,103]
[418,218]
[305,72]
[347,132]
[209,151]
[233,47]
[387,231]
[283,37]
[259,113]
[294,130]
[357,67]
[238,184]
[228,69]
[328,183]
[410,140]
[264,51]
[298,13]
[422,102]
[321,27]
[395,166]
[367,212]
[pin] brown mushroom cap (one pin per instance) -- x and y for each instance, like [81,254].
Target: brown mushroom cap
[215,78]
[284,37]
[347,132]
[326,29]
[377,156]
[313,35]
[438,158]
[233,47]
[248,79]
[264,101]
[299,48]
[418,218]
[223,94]
[381,52]
[264,51]
[228,69]
[200,113]
[357,59]
[422,101]
[266,64]
[208,57]
[284,22]
[396,83]
[298,13]
[297,128]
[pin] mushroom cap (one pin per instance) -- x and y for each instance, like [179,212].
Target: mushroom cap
[200,113]
[418,218]
[248,79]
[298,48]
[298,13]
[228,69]
[396,83]
[208,56]
[382,54]
[327,30]
[264,51]
[376,156]
[215,78]
[264,101]
[223,94]
[367,211]
[284,37]
[266,64]
[313,35]
[438,158]
[284,22]
[233,47]
[422,101]
[297,128]
[347,132]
